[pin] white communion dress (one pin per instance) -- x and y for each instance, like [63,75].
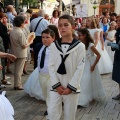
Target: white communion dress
[105,63]
[32,85]
[6,109]
[111,35]
[90,84]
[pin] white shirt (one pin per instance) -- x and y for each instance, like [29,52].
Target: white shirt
[44,70]
[42,25]
[65,47]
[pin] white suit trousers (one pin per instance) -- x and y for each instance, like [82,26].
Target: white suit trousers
[45,85]
[55,106]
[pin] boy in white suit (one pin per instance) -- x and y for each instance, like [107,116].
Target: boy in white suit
[48,37]
[66,64]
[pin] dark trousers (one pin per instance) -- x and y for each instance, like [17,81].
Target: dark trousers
[37,44]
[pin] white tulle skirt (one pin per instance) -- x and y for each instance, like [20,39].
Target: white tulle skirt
[32,85]
[105,64]
[90,84]
[6,109]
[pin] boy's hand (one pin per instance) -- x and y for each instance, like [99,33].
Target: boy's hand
[1,67]
[60,90]
[67,91]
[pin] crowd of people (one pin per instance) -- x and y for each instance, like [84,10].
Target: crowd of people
[70,55]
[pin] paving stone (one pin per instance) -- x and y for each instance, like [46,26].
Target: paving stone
[28,108]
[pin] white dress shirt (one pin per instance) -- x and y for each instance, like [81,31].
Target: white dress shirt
[64,47]
[44,70]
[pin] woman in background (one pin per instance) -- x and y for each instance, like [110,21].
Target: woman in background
[55,18]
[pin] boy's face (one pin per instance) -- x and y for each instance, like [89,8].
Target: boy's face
[47,39]
[65,27]
[113,17]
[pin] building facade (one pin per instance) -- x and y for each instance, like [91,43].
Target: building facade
[102,6]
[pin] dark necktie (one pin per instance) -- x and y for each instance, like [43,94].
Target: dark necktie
[42,58]
[62,70]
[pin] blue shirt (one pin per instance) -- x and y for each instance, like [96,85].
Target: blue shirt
[42,25]
[104,28]
[10,17]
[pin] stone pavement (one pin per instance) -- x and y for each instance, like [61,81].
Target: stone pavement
[27,108]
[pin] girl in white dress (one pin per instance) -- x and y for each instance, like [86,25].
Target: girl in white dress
[105,63]
[6,109]
[110,37]
[32,85]
[90,84]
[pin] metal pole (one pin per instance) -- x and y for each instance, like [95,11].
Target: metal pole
[109,7]
[41,4]
[71,7]
[60,7]
[17,4]
[94,11]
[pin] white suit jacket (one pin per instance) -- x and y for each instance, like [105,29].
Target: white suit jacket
[74,65]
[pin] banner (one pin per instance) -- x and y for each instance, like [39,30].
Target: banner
[81,10]
[49,7]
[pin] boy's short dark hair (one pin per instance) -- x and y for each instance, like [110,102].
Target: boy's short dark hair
[69,18]
[113,14]
[49,31]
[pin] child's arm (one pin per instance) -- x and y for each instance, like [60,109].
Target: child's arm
[97,58]
[96,36]
[101,39]
[109,39]
[51,20]
[75,81]
[113,38]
